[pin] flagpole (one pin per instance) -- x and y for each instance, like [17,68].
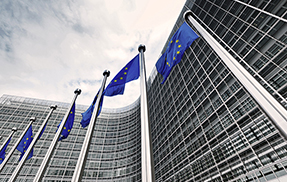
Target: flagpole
[14,129]
[31,146]
[146,146]
[271,107]
[47,158]
[32,119]
[78,172]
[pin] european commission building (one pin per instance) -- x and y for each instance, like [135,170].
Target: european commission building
[220,115]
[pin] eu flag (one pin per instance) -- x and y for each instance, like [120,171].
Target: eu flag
[42,131]
[68,125]
[2,152]
[128,73]
[86,116]
[180,41]
[25,142]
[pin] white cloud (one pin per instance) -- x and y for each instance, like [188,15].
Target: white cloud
[49,48]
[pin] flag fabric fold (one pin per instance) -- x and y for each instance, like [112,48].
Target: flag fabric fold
[2,152]
[179,42]
[117,86]
[68,125]
[42,131]
[87,115]
[128,73]
[25,142]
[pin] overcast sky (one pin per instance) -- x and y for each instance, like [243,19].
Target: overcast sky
[49,48]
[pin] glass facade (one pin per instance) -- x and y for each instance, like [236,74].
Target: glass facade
[254,33]
[114,153]
[205,125]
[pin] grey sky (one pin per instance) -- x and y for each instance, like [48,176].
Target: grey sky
[50,48]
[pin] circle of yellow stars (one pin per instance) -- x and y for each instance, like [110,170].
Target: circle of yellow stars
[26,142]
[64,126]
[122,77]
[178,52]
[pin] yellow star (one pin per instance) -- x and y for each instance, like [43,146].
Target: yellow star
[125,73]
[170,41]
[24,142]
[24,150]
[173,58]
[69,130]
[168,64]
[177,52]
[27,138]
[64,128]
[1,159]
[177,41]
[126,68]
[121,78]
[23,147]
[115,81]
[32,136]
[179,46]
[71,112]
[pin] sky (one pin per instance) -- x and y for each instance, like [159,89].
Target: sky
[50,48]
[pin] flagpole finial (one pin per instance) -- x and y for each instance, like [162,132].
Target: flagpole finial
[14,129]
[32,119]
[53,107]
[106,72]
[78,91]
[141,47]
[186,14]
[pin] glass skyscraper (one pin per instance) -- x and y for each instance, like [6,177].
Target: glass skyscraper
[216,117]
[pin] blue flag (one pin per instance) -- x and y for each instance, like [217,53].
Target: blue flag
[68,125]
[117,86]
[42,131]
[130,72]
[180,41]
[25,142]
[86,116]
[2,152]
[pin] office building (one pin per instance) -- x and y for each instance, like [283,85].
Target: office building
[214,119]
[114,153]
[207,123]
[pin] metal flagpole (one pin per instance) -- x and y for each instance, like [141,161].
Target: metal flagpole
[146,146]
[46,160]
[14,129]
[32,119]
[28,151]
[78,172]
[272,108]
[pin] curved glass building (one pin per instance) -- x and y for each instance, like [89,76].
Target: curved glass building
[114,154]
[220,115]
